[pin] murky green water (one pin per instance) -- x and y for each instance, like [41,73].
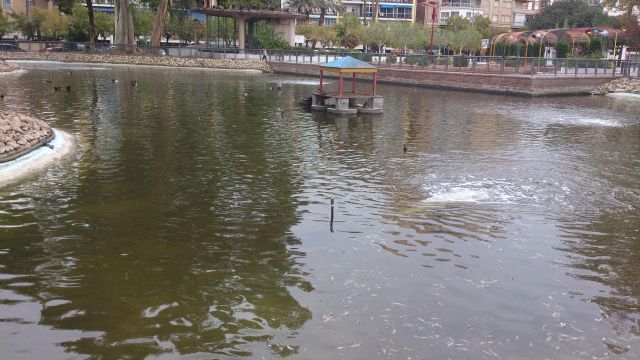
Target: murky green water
[192,223]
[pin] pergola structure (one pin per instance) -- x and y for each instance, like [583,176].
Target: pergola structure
[283,22]
[346,102]
[574,36]
[348,65]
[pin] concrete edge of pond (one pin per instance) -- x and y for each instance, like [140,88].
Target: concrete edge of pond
[98,64]
[36,159]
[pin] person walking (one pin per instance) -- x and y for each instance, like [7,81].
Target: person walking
[264,55]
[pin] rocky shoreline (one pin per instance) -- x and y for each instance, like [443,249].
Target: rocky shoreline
[622,85]
[140,60]
[20,132]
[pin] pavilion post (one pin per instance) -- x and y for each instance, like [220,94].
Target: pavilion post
[353,83]
[375,78]
[321,78]
[340,84]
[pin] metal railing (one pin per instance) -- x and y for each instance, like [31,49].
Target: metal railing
[521,66]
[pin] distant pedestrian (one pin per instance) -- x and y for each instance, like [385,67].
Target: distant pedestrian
[264,55]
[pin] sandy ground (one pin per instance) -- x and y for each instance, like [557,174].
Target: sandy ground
[37,159]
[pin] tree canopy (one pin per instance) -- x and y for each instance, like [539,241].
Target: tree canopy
[568,14]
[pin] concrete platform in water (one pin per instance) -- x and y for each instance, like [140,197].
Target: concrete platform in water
[347,103]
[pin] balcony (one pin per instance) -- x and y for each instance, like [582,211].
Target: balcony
[461,4]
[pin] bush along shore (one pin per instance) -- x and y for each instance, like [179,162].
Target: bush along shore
[6,67]
[140,60]
[622,85]
[20,133]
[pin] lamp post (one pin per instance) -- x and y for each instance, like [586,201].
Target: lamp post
[433,4]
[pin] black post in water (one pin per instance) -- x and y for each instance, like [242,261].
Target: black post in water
[331,222]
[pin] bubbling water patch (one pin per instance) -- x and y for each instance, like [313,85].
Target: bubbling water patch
[564,116]
[496,191]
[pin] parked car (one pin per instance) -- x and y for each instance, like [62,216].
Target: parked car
[10,47]
[73,47]
[55,48]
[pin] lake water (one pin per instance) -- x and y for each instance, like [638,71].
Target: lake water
[192,222]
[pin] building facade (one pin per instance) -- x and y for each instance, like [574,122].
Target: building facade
[387,10]
[25,6]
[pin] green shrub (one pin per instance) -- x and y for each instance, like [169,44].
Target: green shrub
[460,61]
[513,62]
[443,60]
[412,59]
[562,49]
[360,56]
[391,59]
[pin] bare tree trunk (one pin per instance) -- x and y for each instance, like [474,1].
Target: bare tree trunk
[124,37]
[92,25]
[158,24]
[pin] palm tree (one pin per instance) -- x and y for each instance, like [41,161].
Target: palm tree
[332,5]
[304,6]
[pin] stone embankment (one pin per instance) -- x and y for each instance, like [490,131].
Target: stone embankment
[140,60]
[622,85]
[6,67]
[19,133]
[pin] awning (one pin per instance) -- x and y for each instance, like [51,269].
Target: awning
[392,6]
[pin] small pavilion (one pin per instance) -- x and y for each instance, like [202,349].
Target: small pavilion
[352,102]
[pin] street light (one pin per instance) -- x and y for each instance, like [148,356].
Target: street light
[433,4]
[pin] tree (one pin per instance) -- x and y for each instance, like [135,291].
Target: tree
[404,35]
[124,32]
[349,31]
[143,20]
[66,6]
[4,24]
[482,25]
[105,24]
[268,39]
[92,22]
[54,25]
[457,23]
[467,39]
[171,27]
[565,13]
[377,33]
[328,5]
[304,6]
[159,22]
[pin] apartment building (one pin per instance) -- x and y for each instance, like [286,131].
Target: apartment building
[25,6]
[388,10]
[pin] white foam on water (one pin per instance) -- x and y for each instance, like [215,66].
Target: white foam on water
[302,82]
[487,191]
[625,96]
[563,116]
[36,159]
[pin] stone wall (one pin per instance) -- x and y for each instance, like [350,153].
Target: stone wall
[631,86]
[542,85]
[19,132]
[139,60]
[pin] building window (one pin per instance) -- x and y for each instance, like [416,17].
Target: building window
[494,18]
[496,4]
[6,4]
[506,18]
